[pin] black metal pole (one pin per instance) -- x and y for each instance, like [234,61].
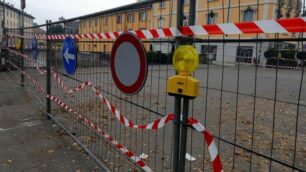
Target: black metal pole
[180,13]
[176,133]
[21,47]
[4,38]
[3,22]
[48,58]
[5,51]
[177,104]
[184,135]
[192,12]
[4,14]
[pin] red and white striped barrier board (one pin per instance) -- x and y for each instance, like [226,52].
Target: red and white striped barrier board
[287,25]
[159,123]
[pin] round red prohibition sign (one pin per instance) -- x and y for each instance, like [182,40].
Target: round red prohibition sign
[129,64]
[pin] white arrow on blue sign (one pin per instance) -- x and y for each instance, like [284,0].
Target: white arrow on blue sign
[34,48]
[69,56]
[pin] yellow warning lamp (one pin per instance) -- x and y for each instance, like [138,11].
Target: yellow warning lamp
[185,61]
[18,44]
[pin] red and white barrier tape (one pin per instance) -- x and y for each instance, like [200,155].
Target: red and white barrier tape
[35,83]
[288,25]
[215,157]
[127,123]
[159,123]
[39,47]
[15,35]
[42,72]
[36,65]
[209,139]
[116,144]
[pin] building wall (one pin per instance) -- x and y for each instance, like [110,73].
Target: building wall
[110,23]
[163,14]
[13,19]
[228,11]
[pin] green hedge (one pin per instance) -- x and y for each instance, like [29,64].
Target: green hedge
[301,55]
[271,53]
[286,59]
[158,58]
[286,54]
[282,62]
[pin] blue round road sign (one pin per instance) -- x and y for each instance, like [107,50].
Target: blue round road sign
[69,56]
[34,48]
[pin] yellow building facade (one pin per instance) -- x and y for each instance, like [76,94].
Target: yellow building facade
[228,11]
[129,20]
[225,11]
[163,14]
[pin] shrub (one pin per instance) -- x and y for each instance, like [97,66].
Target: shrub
[287,58]
[288,54]
[285,54]
[271,53]
[158,58]
[301,55]
[282,62]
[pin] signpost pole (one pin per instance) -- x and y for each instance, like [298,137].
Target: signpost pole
[184,134]
[192,12]
[4,49]
[176,132]
[183,140]
[179,92]
[3,23]
[177,105]
[5,38]
[21,47]
[48,60]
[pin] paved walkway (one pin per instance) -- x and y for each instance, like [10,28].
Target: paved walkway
[29,142]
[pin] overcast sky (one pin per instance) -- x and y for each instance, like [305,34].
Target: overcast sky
[53,9]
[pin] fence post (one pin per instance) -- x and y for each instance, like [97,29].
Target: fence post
[180,125]
[192,12]
[21,47]
[5,38]
[177,105]
[48,59]
[5,51]
[183,141]
[176,132]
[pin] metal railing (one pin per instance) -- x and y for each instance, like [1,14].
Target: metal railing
[253,103]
